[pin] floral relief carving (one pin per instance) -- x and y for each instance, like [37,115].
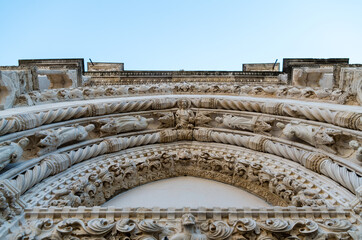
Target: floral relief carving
[187,227]
[300,153]
[98,185]
[9,208]
[53,95]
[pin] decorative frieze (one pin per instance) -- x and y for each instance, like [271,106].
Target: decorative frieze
[25,121]
[95,181]
[290,145]
[174,224]
[236,89]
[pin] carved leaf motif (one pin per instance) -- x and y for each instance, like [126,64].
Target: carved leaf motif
[337,224]
[277,225]
[99,226]
[308,226]
[72,225]
[150,226]
[41,227]
[217,230]
[125,225]
[245,225]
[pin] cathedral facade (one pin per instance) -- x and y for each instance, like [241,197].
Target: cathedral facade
[71,141]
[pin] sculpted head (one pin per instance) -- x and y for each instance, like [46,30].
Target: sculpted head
[184,103]
[219,119]
[322,137]
[23,142]
[110,126]
[188,219]
[49,140]
[89,127]
[354,144]
[263,126]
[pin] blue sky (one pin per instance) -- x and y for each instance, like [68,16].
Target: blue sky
[175,34]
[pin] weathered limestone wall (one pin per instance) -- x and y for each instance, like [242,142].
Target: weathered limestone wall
[71,139]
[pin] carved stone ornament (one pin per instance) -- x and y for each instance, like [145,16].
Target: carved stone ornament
[289,92]
[255,124]
[294,142]
[29,120]
[9,207]
[52,139]
[124,124]
[185,117]
[186,226]
[318,137]
[101,178]
[11,152]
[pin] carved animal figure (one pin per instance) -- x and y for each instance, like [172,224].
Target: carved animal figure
[167,119]
[202,119]
[254,124]
[316,136]
[11,152]
[52,139]
[124,124]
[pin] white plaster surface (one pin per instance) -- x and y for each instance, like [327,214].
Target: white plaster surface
[186,192]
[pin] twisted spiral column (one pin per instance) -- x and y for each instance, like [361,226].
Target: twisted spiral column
[57,163]
[31,120]
[342,175]
[317,162]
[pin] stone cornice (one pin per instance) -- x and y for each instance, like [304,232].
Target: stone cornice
[129,73]
[102,89]
[202,213]
[201,223]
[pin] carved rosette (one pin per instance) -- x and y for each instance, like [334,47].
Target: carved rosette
[109,178]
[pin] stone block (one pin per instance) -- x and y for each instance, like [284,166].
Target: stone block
[105,66]
[256,67]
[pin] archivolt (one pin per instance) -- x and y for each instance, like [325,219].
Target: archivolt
[22,119]
[277,180]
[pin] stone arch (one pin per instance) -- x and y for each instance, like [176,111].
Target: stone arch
[185,191]
[274,179]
